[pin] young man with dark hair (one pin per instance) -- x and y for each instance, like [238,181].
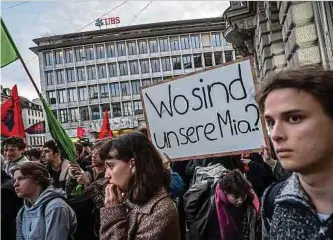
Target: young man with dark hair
[45,214]
[13,147]
[298,108]
[57,166]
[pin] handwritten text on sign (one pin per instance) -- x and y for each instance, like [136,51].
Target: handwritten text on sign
[210,112]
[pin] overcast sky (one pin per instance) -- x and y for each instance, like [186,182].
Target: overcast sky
[36,19]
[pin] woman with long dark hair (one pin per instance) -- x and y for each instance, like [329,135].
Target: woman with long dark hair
[137,204]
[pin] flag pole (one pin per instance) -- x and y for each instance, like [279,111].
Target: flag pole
[20,57]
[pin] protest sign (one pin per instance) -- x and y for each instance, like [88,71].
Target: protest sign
[204,114]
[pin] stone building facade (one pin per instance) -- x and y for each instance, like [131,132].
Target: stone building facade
[281,34]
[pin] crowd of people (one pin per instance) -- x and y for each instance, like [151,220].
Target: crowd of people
[124,188]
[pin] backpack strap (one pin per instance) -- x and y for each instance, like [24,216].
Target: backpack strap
[269,201]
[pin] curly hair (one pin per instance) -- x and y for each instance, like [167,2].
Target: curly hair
[235,183]
[14,141]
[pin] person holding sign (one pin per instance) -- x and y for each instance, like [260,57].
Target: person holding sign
[137,204]
[298,108]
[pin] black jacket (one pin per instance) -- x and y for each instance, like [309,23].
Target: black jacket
[10,206]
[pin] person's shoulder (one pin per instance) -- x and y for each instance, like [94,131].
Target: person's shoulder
[56,203]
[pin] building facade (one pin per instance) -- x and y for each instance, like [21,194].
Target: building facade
[32,113]
[281,34]
[84,74]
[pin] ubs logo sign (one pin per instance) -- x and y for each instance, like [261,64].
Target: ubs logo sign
[107,21]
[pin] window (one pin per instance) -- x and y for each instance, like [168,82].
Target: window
[116,109]
[29,121]
[83,93]
[48,58]
[205,40]
[58,57]
[216,39]
[49,78]
[174,43]
[112,69]
[121,49]
[62,96]
[114,90]
[89,52]
[60,76]
[155,65]
[134,67]
[146,82]
[70,75]
[195,41]
[228,56]
[224,42]
[187,61]
[73,114]
[105,107]
[164,45]
[127,109]
[101,71]
[104,90]
[63,115]
[95,114]
[79,55]
[144,66]
[185,42]
[72,95]
[100,53]
[166,65]
[55,113]
[125,88]
[91,72]
[123,69]
[110,50]
[131,48]
[157,80]
[197,60]
[137,107]
[143,49]
[176,63]
[68,55]
[153,45]
[81,75]
[93,92]
[208,59]
[218,58]
[135,87]
[51,97]
[84,113]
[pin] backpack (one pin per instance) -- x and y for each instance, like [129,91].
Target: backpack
[177,185]
[269,201]
[210,172]
[85,215]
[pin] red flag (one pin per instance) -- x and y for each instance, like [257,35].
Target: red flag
[81,132]
[36,128]
[105,129]
[11,116]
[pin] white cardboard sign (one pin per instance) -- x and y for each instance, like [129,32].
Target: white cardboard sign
[210,113]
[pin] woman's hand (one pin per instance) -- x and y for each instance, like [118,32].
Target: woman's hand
[267,157]
[113,195]
[82,178]
[74,170]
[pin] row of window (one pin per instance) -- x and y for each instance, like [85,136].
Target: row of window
[133,47]
[143,66]
[36,141]
[126,108]
[33,121]
[35,113]
[116,89]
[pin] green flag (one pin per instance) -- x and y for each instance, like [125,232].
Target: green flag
[8,48]
[64,143]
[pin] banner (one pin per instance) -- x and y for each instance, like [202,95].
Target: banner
[204,114]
